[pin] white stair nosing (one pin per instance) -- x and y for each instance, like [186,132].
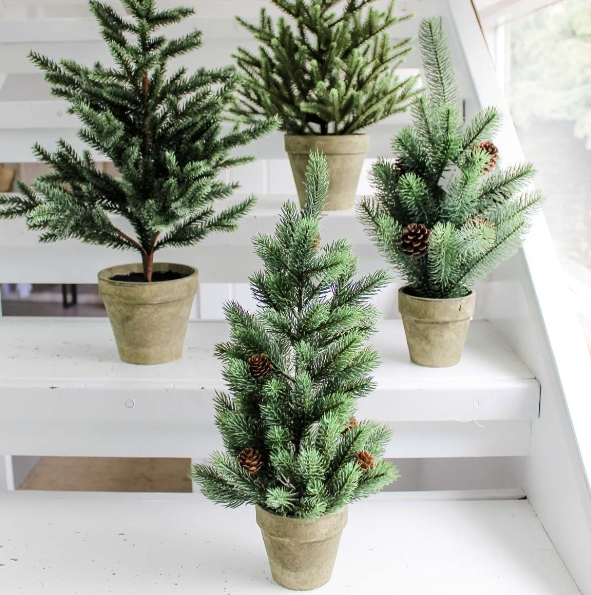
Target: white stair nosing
[63,387]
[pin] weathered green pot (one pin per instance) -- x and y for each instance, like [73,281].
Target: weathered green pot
[149,320]
[436,330]
[344,156]
[301,553]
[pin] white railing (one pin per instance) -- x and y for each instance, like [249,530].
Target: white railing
[531,308]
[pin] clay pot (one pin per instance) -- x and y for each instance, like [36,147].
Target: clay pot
[149,320]
[344,156]
[436,330]
[301,553]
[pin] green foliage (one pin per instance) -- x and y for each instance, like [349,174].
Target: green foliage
[161,130]
[322,70]
[313,321]
[441,178]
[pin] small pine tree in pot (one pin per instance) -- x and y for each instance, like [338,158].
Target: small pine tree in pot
[295,370]
[444,215]
[162,130]
[328,70]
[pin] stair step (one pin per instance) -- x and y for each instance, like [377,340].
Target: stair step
[94,543]
[220,258]
[63,391]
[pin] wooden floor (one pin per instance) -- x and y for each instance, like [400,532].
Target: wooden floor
[97,474]
[56,543]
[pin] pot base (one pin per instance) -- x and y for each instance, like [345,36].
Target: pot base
[301,553]
[344,156]
[436,330]
[149,320]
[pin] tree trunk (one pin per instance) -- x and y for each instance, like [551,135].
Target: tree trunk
[148,262]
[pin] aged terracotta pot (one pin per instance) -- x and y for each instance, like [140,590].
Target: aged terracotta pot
[436,330]
[149,320]
[301,553]
[344,156]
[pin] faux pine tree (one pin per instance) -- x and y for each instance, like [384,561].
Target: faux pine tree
[444,215]
[160,128]
[326,67]
[295,370]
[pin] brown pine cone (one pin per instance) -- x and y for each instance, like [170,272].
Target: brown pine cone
[493,153]
[415,240]
[479,221]
[251,459]
[365,460]
[352,424]
[260,365]
[317,243]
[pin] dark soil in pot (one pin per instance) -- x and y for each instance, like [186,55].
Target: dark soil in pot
[157,276]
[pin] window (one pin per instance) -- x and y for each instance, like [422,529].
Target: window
[543,56]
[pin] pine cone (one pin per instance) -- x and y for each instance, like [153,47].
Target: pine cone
[251,459]
[479,221]
[352,424]
[260,365]
[365,460]
[493,153]
[415,240]
[317,243]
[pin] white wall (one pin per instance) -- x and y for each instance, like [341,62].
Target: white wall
[6,478]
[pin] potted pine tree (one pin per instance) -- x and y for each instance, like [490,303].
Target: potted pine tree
[295,370]
[328,73]
[444,214]
[162,130]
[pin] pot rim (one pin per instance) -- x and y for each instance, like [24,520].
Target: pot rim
[329,144]
[104,277]
[299,519]
[424,299]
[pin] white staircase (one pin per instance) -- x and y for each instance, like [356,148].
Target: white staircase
[520,392]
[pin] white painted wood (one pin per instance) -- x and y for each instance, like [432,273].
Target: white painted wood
[217,51]
[87,31]
[3,482]
[451,439]
[507,10]
[530,306]
[125,544]
[63,390]
[36,116]
[235,6]
[6,473]
[26,103]
[218,48]
[16,143]
[46,358]
[45,9]
[220,258]
[411,440]
[213,296]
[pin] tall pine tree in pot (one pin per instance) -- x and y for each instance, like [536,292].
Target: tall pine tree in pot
[295,370]
[444,214]
[162,130]
[328,69]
